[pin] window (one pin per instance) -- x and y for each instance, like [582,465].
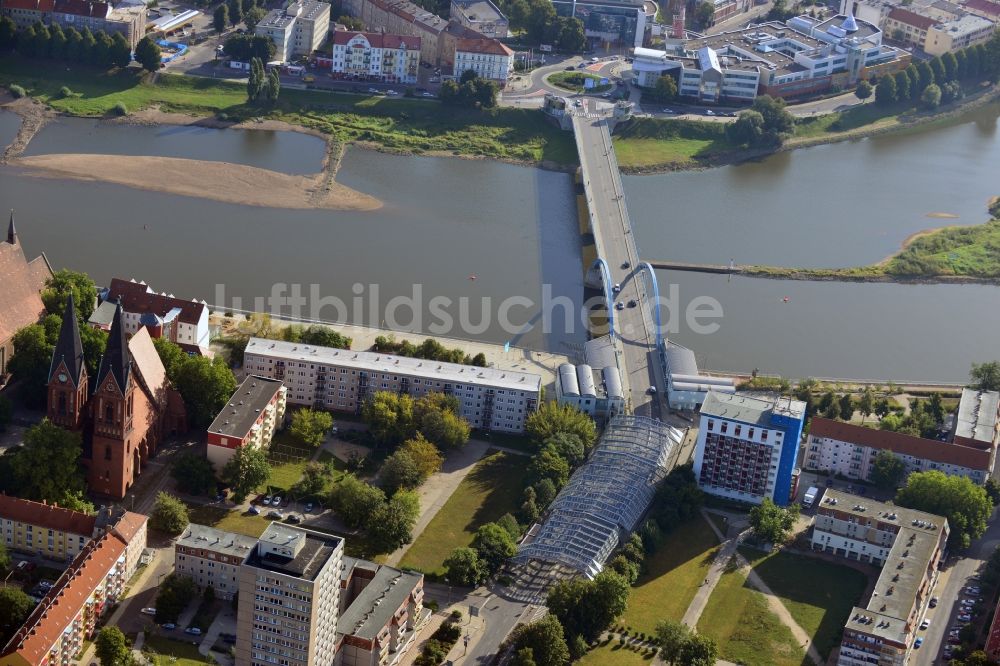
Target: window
[109,413]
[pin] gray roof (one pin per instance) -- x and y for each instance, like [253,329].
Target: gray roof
[312,551]
[680,360]
[218,541]
[103,315]
[977,415]
[479,10]
[600,352]
[241,412]
[374,608]
[750,408]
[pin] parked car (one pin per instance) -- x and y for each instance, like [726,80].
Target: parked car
[148,611]
[617,288]
[169,626]
[709,112]
[391,93]
[194,631]
[253,510]
[277,515]
[427,94]
[374,91]
[266,501]
[619,306]
[632,303]
[926,623]
[309,507]
[626,265]
[934,602]
[293,519]
[276,501]
[570,68]
[606,95]
[651,390]
[964,617]
[917,643]
[666,111]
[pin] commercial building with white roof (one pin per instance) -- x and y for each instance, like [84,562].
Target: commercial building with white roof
[341,380]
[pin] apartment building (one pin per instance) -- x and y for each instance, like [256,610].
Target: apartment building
[341,380]
[488,58]
[54,633]
[908,27]
[298,29]
[908,545]
[164,316]
[250,418]
[480,15]
[20,299]
[844,448]
[747,445]
[211,557]
[401,17]
[127,19]
[289,596]
[46,530]
[370,56]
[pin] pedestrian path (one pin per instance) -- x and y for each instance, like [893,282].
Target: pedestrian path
[715,571]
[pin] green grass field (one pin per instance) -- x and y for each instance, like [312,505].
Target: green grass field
[746,630]
[402,124]
[224,519]
[490,490]
[613,654]
[671,577]
[172,653]
[646,142]
[818,594]
[576,81]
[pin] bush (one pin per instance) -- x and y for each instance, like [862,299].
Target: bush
[17,91]
[65,92]
[120,109]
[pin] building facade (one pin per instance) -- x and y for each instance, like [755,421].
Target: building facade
[341,380]
[129,20]
[298,29]
[401,17]
[850,450]
[20,297]
[686,386]
[608,22]
[250,418]
[747,445]
[367,56]
[480,15]
[488,58]
[212,558]
[594,392]
[46,530]
[908,545]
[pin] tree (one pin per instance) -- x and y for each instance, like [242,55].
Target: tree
[173,596]
[15,606]
[220,19]
[846,406]
[931,96]
[246,47]
[885,91]
[206,386]
[310,426]
[72,51]
[548,464]
[568,447]
[400,471]
[495,546]
[672,636]
[8,33]
[235,11]
[351,23]
[833,411]
[888,470]
[194,474]
[148,54]
[778,122]
[120,53]
[392,523]
[902,86]
[864,90]
[985,376]
[40,41]
[47,467]
[463,567]
[272,87]
[992,488]
[355,500]
[245,472]
[170,515]
[699,651]
[389,416]
[771,523]
[171,356]
[552,418]
[544,638]
[951,91]
[950,62]
[113,649]
[94,341]
[572,37]
[253,16]
[57,41]
[65,282]
[962,68]
[30,363]
[256,82]
[940,76]
[88,49]
[313,481]
[925,74]
[664,90]
[585,608]
[101,54]
[424,454]
[6,412]
[678,498]
[703,14]
[965,504]
[882,408]
[445,428]
[748,130]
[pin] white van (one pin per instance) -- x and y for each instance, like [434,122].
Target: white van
[810,497]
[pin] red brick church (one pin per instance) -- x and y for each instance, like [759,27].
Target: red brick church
[127,412]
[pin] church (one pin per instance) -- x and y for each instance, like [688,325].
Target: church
[20,296]
[123,414]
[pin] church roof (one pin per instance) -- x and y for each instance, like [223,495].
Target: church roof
[23,281]
[116,360]
[149,365]
[69,348]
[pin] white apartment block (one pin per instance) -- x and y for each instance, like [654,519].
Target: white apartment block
[298,29]
[211,557]
[341,380]
[164,315]
[371,56]
[959,33]
[488,58]
[850,450]
[289,598]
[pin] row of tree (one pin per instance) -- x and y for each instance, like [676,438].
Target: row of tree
[81,46]
[471,91]
[429,349]
[232,12]
[263,86]
[766,123]
[393,418]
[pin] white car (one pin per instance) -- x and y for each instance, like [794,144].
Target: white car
[148,611]
[276,501]
[391,93]
[926,623]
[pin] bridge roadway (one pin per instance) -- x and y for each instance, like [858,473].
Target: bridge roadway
[612,228]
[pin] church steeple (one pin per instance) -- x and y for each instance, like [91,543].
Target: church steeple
[69,348]
[116,360]
[11,231]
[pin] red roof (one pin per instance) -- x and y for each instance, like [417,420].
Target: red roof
[23,281]
[129,525]
[378,40]
[138,298]
[927,449]
[82,8]
[911,18]
[34,5]
[66,599]
[47,516]
[984,6]
[488,46]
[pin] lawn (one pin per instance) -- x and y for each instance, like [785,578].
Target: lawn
[173,653]
[745,629]
[394,123]
[491,489]
[613,654]
[221,518]
[576,81]
[288,458]
[818,594]
[672,576]
[646,142]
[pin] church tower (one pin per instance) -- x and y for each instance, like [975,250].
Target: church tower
[67,399]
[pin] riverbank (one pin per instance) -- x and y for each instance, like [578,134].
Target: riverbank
[412,126]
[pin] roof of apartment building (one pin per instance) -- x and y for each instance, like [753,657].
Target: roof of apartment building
[413,13]
[48,516]
[984,7]
[137,297]
[244,407]
[312,550]
[22,280]
[482,45]
[899,581]
[33,5]
[378,40]
[378,362]
[127,525]
[479,10]
[377,603]
[50,618]
[82,8]
[907,17]
[203,537]
[752,408]
[977,415]
[967,24]
[927,449]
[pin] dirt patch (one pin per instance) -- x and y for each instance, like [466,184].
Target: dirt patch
[220,181]
[33,115]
